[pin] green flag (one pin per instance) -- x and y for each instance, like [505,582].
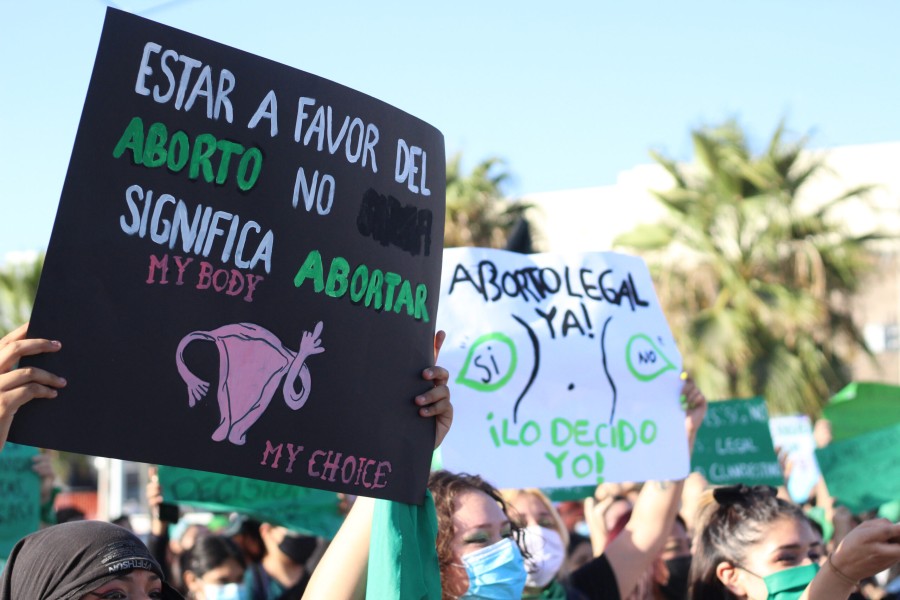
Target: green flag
[862,407]
[863,472]
[306,510]
[20,495]
[403,560]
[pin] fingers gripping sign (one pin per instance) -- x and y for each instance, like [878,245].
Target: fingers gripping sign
[436,401]
[21,385]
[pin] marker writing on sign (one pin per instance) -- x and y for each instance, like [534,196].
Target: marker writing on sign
[536,284]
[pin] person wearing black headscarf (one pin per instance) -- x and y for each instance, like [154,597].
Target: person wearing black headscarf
[82,560]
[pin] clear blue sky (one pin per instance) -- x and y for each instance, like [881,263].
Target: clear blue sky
[569,93]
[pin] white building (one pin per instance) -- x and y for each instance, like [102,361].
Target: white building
[590,219]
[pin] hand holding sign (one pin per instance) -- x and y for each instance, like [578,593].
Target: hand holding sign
[18,386]
[436,402]
[695,405]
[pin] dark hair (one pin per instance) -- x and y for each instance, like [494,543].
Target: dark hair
[445,487]
[209,552]
[736,519]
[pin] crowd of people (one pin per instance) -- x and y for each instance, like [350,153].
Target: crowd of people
[659,540]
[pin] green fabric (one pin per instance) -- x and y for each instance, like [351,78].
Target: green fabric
[863,472]
[817,514]
[554,591]
[403,559]
[890,511]
[21,496]
[305,510]
[862,407]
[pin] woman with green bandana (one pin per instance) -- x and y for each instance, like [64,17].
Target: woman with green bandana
[751,545]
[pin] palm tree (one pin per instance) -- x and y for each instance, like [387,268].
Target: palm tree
[756,289]
[18,286]
[477,213]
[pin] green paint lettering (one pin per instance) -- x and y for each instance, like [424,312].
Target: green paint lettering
[254,155]
[391,279]
[373,294]
[648,432]
[155,148]
[597,435]
[421,296]
[506,439]
[179,151]
[204,148]
[227,148]
[311,269]
[557,462]
[337,284]
[358,283]
[555,431]
[586,468]
[132,139]
[404,297]
[582,435]
[627,436]
[494,437]
[529,439]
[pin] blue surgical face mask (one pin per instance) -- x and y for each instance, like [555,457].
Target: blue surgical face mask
[228,591]
[582,529]
[496,572]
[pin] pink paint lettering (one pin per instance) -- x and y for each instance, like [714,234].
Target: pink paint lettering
[158,263]
[231,282]
[351,470]
[182,264]
[270,450]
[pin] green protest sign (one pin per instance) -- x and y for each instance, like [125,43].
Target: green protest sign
[862,407]
[20,495]
[734,445]
[307,510]
[849,467]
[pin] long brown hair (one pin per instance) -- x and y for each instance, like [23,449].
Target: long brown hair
[735,518]
[445,487]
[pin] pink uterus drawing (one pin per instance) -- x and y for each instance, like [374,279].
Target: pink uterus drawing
[252,363]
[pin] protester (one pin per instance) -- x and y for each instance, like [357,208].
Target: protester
[544,537]
[752,545]
[578,551]
[476,541]
[213,569]
[244,532]
[671,569]
[20,385]
[282,574]
[477,545]
[83,560]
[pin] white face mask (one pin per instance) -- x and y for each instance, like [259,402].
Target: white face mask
[547,554]
[228,591]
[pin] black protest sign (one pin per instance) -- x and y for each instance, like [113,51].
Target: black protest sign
[244,271]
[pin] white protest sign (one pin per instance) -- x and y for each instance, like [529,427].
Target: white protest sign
[563,370]
[793,434]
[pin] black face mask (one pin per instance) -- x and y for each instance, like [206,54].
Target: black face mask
[298,548]
[677,587]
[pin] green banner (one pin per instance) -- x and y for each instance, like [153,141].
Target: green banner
[306,510]
[734,445]
[863,472]
[20,495]
[862,407]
